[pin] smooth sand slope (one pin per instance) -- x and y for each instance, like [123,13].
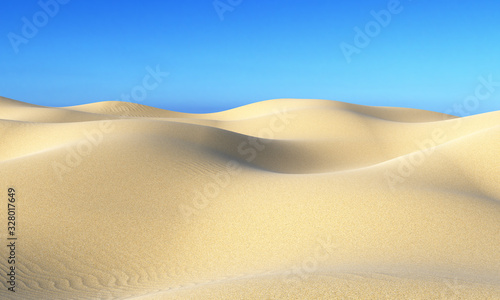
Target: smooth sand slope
[282,199]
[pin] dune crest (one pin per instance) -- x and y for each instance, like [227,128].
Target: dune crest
[286,198]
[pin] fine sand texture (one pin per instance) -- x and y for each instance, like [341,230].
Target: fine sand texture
[281,199]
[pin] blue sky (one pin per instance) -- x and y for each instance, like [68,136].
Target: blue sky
[227,53]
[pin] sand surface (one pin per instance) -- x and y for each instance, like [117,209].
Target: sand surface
[282,199]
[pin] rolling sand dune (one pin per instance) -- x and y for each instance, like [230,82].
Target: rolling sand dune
[282,199]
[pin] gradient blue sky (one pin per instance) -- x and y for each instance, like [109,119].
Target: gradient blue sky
[429,56]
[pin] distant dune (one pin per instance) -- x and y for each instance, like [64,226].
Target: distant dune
[281,199]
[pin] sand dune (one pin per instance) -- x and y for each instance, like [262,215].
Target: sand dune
[281,199]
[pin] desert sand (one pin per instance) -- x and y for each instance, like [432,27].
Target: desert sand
[281,199]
